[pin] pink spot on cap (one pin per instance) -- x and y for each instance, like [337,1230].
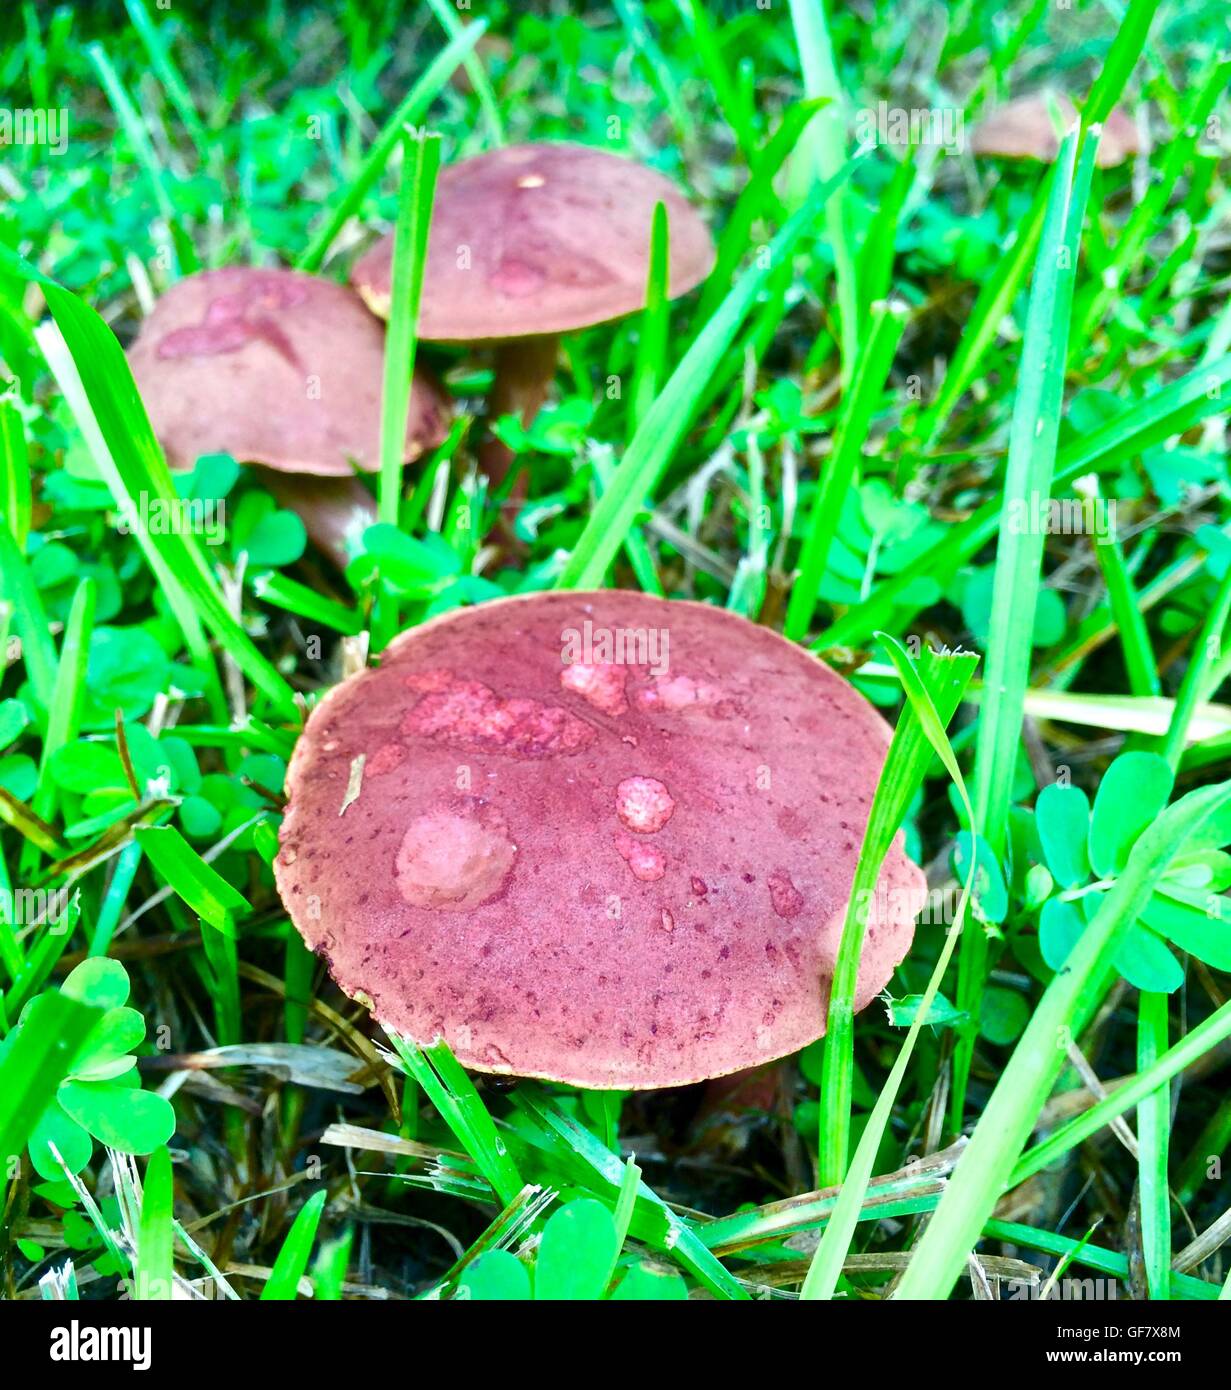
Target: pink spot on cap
[468,714]
[452,862]
[601,685]
[646,863]
[787,900]
[677,694]
[644,804]
[233,320]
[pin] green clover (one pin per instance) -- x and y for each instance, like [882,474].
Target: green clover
[101,1097]
[1086,851]
[576,1259]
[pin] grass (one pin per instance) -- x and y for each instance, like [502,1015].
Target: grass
[850,433]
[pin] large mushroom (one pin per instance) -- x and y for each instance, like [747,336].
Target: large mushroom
[602,838]
[283,370]
[1024,129]
[533,241]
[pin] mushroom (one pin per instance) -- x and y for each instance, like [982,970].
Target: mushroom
[282,370]
[601,838]
[1024,129]
[532,241]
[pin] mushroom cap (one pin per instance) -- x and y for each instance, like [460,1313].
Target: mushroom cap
[1023,129]
[617,874]
[272,367]
[536,239]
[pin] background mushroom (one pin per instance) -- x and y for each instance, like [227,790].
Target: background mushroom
[283,370]
[1024,129]
[625,872]
[532,241]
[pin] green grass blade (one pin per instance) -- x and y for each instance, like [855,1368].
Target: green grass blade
[34,1067]
[826,147]
[1033,437]
[850,434]
[183,870]
[446,13]
[156,1235]
[1209,643]
[757,200]
[292,1262]
[922,734]
[453,1093]
[933,694]
[15,500]
[68,697]
[38,651]
[1153,1145]
[420,161]
[1129,617]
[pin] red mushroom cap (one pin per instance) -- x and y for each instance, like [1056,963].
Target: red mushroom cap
[625,871]
[537,239]
[271,367]
[1023,129]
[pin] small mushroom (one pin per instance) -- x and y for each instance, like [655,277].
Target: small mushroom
[1024,129]
[532,241]
[282,370]
[602,838]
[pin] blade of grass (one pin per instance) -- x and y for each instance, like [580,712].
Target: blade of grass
[183,870]
[35,1065]
[292,1262]
[15,500]
[409,113]
[95,377]
[1153,1135]
[757,200]
[934,694]
[826,146]
[169,75]
[453,1094]
[1033,436]
[1208,645]
[1128,616]
[38,651]
[446,13]
[68,697]
[859,403]
[932,698]
[156,1235]
[420,161]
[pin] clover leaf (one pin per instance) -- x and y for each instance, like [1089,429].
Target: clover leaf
[1086,850]
[101,1097]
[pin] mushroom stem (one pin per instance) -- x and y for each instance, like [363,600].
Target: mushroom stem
[524,371]
[335,511]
